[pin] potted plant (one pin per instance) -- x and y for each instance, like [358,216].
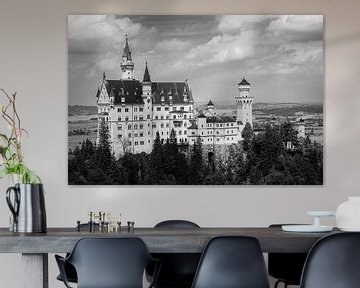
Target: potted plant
[26,197]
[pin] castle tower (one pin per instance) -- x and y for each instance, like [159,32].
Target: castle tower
[244,103]
[146,83]
[127,66]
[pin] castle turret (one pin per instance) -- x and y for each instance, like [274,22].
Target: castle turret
[244,103]
[127,66]
[146,83]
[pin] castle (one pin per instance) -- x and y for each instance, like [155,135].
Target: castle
[135,111]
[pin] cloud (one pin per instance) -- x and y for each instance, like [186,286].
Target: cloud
[298,27]
[234,24]
[223,48]
[171,45]
[89,34]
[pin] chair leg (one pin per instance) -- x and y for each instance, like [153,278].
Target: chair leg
[278,282]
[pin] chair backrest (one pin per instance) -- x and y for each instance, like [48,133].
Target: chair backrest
[232,262]
[178,269]
[110,262]
[176,224]
[333,262]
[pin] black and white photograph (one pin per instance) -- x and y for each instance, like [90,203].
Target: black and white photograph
[195,100]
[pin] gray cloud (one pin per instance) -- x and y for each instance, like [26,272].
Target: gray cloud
[213,52]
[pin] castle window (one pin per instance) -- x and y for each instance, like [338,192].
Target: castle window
[141,134]
[126,119]
[141,126]
[129,143]
[158,108]
[148,116]
[174,117]
[167,125]
[141,109]
[135,109]
[227,124]
[135,118]
[149,134]
[141,118]
[126,109]
[135,126]
[129,135]
[185,132]
[136,135]
[156,117]
[167,116]
[166,108]
[148,141]
[180,132]
[162,133]
[107,118]
[162,125]
[129,127]
[185,139]
[119,127]
[119,118]
[185,116]
[182,108]
[120,136]
[162,141]
[141,142]
[153,125]
[162,117]
[136,143]
[119,109]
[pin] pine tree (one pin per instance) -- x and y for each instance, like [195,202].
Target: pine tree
[196,164]
[103,167]
[247,135]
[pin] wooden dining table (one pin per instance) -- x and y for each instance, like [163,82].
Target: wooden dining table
[35,247]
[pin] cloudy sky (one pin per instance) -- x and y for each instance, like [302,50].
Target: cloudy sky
[280,55]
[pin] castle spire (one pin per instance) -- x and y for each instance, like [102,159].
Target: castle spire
[146,74]
[127,52]
[127,66]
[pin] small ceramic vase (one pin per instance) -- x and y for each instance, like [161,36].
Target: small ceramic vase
[348,215]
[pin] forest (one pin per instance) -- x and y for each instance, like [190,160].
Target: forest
[275,156]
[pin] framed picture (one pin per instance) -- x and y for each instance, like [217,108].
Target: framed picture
[195,100]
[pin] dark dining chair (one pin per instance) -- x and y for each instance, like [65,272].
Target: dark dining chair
[286,267]
[232,262]
[333,262]
[70,271]
[108,263]
[178,269]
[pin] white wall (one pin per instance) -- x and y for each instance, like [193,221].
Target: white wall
[33,62]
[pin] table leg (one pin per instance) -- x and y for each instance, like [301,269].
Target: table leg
[35,270]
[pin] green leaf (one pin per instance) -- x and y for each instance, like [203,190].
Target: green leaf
[4,173]
[4,137]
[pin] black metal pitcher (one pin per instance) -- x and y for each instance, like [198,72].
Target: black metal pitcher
[28,208]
